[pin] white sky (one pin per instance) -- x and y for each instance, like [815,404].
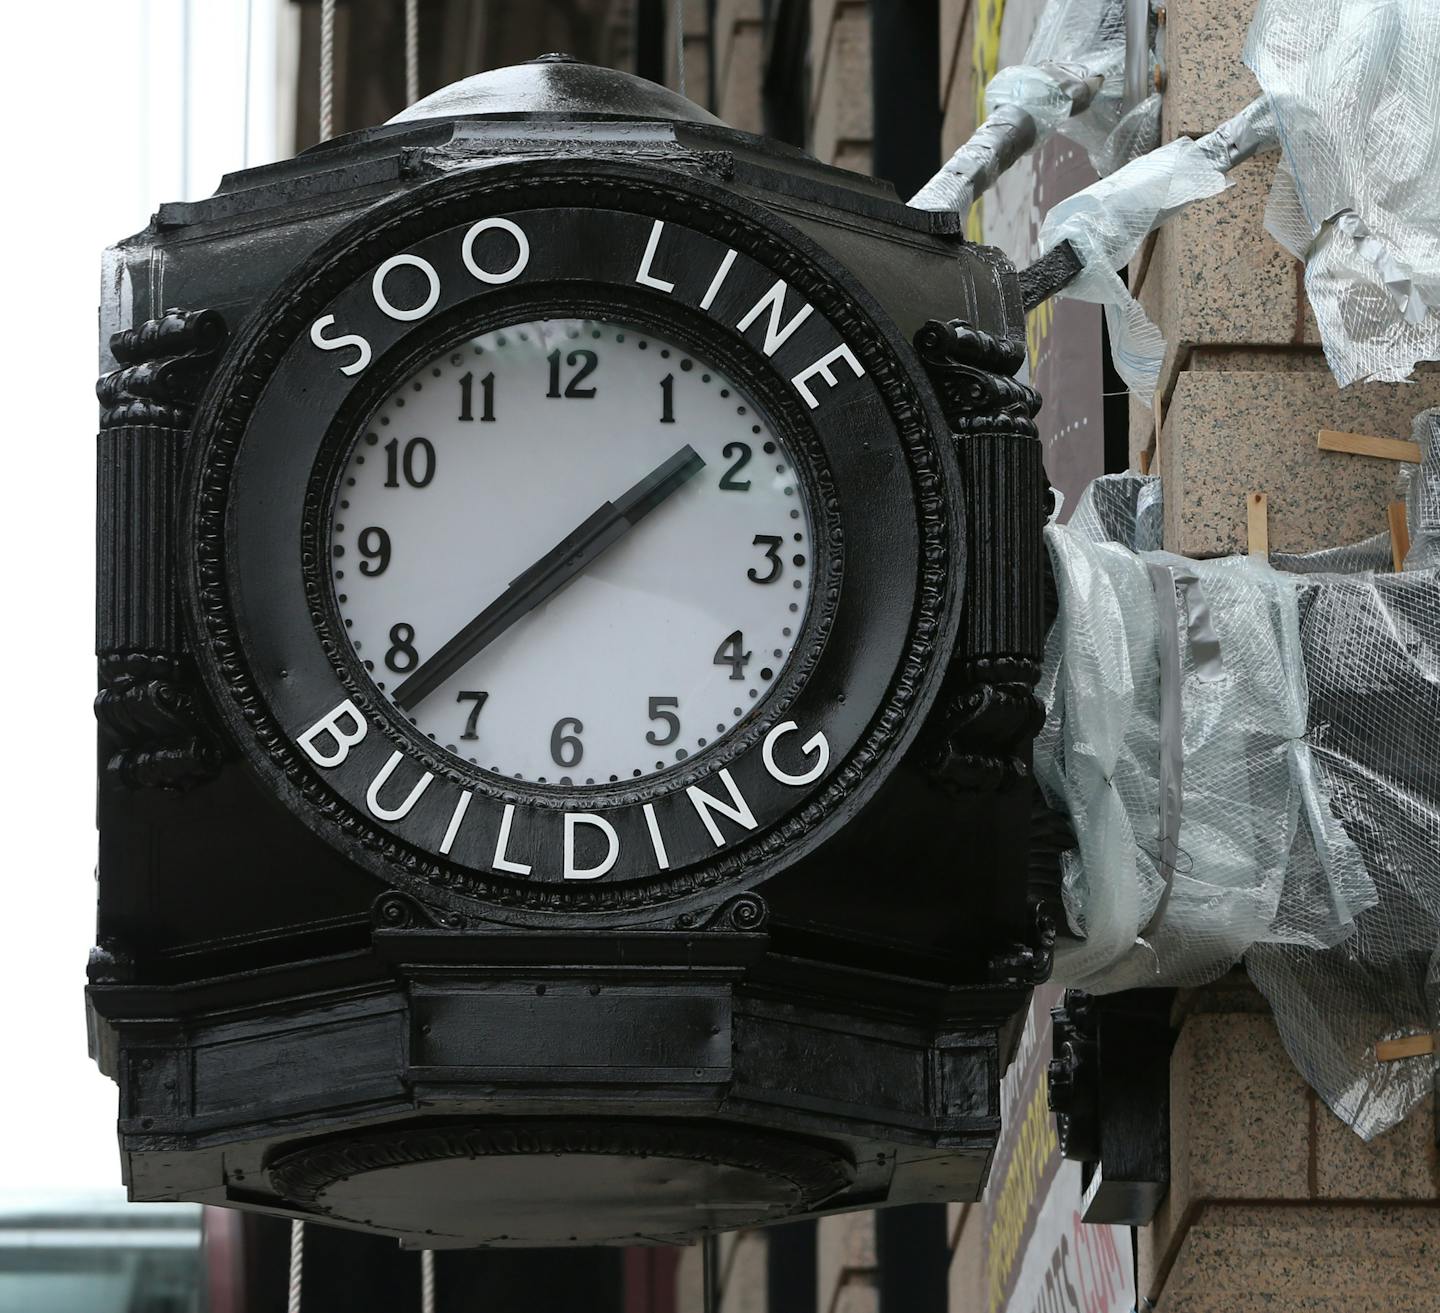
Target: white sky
[91,153]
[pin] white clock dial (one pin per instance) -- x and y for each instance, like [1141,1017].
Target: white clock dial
[571,552]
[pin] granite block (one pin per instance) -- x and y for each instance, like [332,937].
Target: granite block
[858,1295]
[690,1280]
[741,77]
[1278,1258]
[730,17]
[845,1243]
[1205,81]
[841,124]
[956,25]
[1216,277]
[1404,1163]
[744,1275]
[1228,433]
[967,1261]
[1240,1125]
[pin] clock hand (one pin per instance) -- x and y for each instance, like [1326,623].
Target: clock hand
[532,586]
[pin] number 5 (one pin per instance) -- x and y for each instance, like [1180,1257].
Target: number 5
[657,712]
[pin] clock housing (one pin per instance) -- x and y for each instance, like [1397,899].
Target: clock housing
[611,242]
[344,974]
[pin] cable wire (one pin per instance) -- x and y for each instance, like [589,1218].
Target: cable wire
[680,44]
[297,1262]
[427,1281]
[412,52]
[327,69]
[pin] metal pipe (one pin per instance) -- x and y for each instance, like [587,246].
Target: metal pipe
[998,142]
[1137,52]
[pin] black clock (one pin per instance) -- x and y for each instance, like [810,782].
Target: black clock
[573,541]
[569,610]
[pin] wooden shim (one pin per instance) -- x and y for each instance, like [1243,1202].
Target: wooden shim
[1361,444]
[1399,534]
[1411,1046]
[1257,523]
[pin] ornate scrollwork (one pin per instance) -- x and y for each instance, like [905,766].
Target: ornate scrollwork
[971,372]
[164,366]
[744,914]
[396,911]
[979,738]
[154,727]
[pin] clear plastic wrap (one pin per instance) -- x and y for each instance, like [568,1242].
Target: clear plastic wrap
[1424,496]
[1105,224]
[1071,81]
[1090,35]
[1356,97]
[1304,764]
[1256,855]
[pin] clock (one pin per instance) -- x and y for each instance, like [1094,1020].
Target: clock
[569,604]
[571,552]
[573,544]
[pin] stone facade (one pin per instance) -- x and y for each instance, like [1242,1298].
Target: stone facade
[1275,1203]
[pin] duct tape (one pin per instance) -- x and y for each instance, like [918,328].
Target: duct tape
[1397,278]
[1172,583]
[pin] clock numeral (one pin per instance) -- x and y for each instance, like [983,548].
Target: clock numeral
[487,398]
[416,463]
[667,399]
[477,700]
[402,655]
[586,360]
[771,543]
[731,653]
[728,481]
[565,746]
[374,544]
[658,712]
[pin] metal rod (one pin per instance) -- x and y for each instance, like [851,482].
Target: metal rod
[427,1281]
[711,1273]
[1137,52]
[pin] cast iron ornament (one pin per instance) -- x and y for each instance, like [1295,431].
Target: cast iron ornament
[614,244]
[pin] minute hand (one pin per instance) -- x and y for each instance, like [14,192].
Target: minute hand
[550,573]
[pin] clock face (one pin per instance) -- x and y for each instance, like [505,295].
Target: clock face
[577,560]
[571,552]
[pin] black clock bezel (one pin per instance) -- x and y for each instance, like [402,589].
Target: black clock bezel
[603,302]
[234,646]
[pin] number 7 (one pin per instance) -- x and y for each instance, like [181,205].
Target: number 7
[479,700]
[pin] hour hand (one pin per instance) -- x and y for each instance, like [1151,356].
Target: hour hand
[534,585]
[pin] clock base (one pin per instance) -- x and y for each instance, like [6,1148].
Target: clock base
[560,1182]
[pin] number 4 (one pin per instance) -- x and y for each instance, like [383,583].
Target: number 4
[730,653]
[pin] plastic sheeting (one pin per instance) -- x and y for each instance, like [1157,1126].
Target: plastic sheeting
[1354,90]
[1250,759]
[1105,224]
[1071,81]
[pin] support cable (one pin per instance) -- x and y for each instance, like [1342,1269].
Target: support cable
[412,55]
[297,1262]
[327,69]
